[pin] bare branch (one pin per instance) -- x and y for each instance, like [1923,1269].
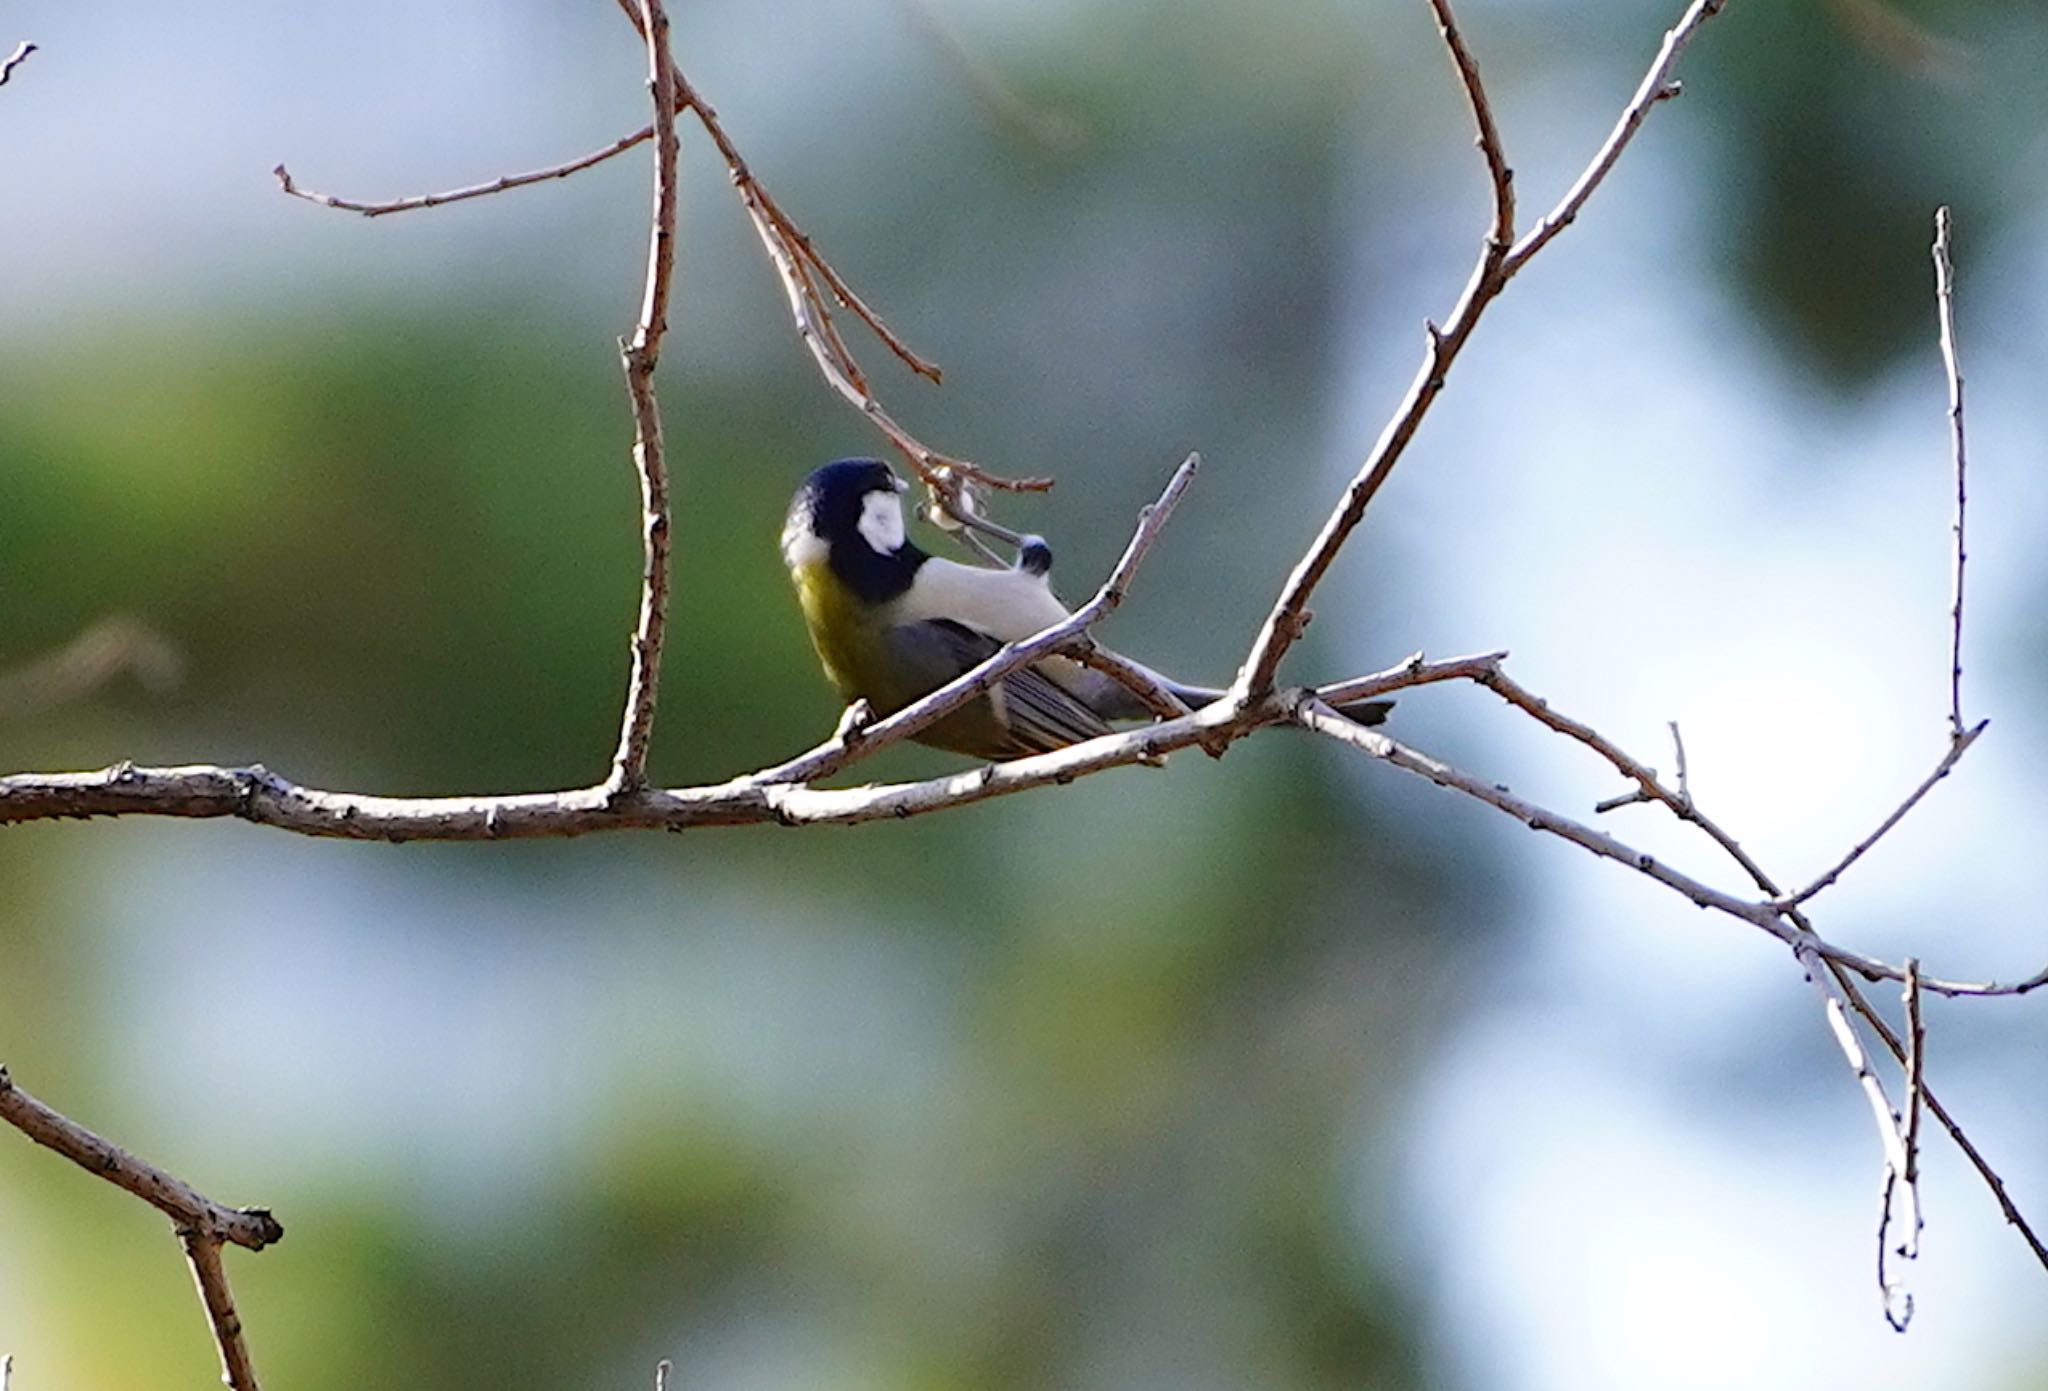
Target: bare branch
[1648,787]
[795,257]
[801,267]
[1678,756]
[1680,803]
[1956,749]
[90,660]
[15,60]
[1416,670]
[1900,1206]
[1898,1306]
[253,1227]
[1935,1108]
[1488,137]
[1657,86]
[638,357]
[1768,915]
[1916,1085]
[202,1224]
[202,1253]
[457,195]
[1496,265]
[1132,677]
[1945,309]
[261,797]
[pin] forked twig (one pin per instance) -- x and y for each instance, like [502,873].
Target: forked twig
[1900,1050]
[202,1224]
[1496,265]
[808,279]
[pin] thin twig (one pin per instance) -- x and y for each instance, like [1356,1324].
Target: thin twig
[1315,713]
[1916,1086]
[1657,86]
[1681,804]
[1136,679]
[1800,935]
[743,178]
[797,260]
[1496,265]
[456,195]
[15,60]
[202,1253]
[1956,749]
[1945,309]
[1935,1108]
[1640,794]
[1648,787]
[1678,756]
[639,357]
[794,255]
[253,1228]
[1897,1305]
[1900,1206]
[1487,136]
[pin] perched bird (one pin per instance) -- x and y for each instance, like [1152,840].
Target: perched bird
[892,623]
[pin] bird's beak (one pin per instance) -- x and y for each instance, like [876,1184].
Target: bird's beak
[901,486]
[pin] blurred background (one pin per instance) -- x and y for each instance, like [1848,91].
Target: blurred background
[1286,1072]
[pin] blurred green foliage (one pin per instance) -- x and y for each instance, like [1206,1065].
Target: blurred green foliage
[395,542]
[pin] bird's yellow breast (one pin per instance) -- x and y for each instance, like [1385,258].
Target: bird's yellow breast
[843,631]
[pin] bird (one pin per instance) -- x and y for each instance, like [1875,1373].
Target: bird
[892,623]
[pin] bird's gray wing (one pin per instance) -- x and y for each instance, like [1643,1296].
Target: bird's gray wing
[1033,714]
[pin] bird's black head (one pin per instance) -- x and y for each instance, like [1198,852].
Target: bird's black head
[849,514]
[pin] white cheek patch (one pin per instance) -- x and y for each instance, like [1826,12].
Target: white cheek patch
[881,522]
